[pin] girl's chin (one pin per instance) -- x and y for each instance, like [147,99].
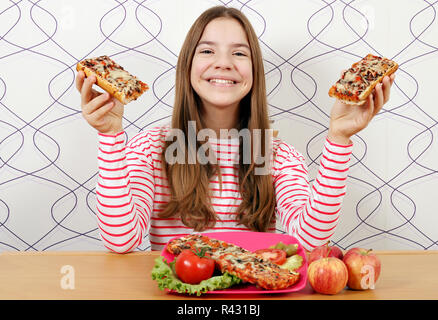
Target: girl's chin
[223,105]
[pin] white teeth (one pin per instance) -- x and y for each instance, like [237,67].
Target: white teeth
[223,81]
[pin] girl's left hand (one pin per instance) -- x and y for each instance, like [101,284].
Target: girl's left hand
[347,120]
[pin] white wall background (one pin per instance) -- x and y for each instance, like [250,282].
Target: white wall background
[48,152]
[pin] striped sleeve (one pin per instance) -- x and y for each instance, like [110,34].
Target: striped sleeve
[124,191]
[307,211]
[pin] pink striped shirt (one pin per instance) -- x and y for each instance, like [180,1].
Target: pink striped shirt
[131,188]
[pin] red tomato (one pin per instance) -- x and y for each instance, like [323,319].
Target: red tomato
[276,256]
[193,267]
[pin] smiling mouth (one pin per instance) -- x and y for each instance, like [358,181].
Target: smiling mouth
[221,81]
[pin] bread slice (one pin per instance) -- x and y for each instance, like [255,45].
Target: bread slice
[112,78]
[357,83]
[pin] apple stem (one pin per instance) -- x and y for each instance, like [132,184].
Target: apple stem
[369,250]
[328,251]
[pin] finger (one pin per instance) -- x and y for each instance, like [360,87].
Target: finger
[378,98]
[96,103]
[86,92]
[392,78]
[100,112]
[80,77]
[371,106]
[386,89]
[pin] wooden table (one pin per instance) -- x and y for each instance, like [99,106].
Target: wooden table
[100,275]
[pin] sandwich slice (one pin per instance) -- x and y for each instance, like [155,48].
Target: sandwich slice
[112,78]
[357,83]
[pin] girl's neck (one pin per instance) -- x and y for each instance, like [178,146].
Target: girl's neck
[221,118]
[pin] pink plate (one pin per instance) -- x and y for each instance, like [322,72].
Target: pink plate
[253,241]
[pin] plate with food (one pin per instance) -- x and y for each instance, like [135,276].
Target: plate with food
[232,263]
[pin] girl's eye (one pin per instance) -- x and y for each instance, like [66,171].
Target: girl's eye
[206,51]
[240,54]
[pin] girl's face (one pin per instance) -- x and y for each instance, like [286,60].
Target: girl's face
[221,71]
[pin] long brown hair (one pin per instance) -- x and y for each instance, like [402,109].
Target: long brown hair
[189,183]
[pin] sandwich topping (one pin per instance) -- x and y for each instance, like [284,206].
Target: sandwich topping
[126,83]
[360,76]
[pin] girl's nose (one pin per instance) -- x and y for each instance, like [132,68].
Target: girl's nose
[223,61]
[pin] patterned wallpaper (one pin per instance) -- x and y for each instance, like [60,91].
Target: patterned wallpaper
[48,153]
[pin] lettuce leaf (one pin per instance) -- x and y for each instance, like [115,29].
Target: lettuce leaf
[164,274]
[293,263]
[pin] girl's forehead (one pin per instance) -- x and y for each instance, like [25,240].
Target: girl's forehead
[224,29]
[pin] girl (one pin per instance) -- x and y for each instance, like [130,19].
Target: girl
[220,85]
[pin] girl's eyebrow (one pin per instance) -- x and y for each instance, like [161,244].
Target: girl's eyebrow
[233,45]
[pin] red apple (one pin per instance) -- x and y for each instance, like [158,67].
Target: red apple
[327,275]
[324,252]
[363,268]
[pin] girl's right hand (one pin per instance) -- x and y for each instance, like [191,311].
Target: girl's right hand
[102,111]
